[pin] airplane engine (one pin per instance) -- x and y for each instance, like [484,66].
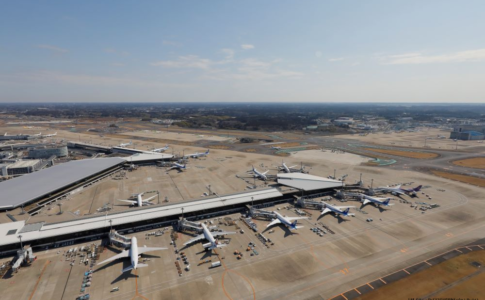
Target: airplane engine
[206,245]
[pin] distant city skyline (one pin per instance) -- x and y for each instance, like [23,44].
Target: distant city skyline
[220,51]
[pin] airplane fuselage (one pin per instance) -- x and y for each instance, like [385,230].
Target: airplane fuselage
[259,174]
[134,252]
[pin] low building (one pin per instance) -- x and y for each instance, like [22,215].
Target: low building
[467,135]
[343,121]
[20,167]
[468,132]
[46,152]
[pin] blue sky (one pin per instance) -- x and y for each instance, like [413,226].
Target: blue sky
[248,51]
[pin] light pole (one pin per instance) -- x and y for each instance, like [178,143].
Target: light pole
[334,173]
[20,237]
[182,213]
[252,201]
[110,225]
[371,183]
[210,192]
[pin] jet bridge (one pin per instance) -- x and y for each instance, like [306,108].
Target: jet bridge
[260,213]
[23,256]
[185,225]
[118,239]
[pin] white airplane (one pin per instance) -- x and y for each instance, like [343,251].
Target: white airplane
[259,175]
[197,154]
[287,169]
[163,149]
[177,166]
[49,135]
[206,234]
[276,148]
[123,145]
[140,201]
[38,134]
[337,210]
[287,221]
[133,253]
[397,190]
[376,201]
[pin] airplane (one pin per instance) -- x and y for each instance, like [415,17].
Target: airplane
[376,201]
[276,148]
[49,135]
[133,253]
[197,154]
[259,175]
[140,201]
[337,210]
[163,149]
[287,221]
[38,134]
[397,190]
[123,145]
[178,167]
[291,169]
[206,234]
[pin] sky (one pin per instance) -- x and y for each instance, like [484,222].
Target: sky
[242,51]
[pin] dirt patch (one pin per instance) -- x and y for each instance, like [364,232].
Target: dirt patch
[476,162]
[222,147]
[435,278]
[250,150]
[459,177]
[286,145]
[409,154]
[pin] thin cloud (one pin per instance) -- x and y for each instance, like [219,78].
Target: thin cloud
[247,46]
[52,48]
[229,53]
[419,58]
[336,59]
[189,61]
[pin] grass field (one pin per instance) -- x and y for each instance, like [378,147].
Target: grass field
[437,278]
[461,178]
[286,145]
[476,162]
[410,154]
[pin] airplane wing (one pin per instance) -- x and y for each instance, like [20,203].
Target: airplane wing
[150,199]
[366,202]
[326,211]
[124,253]
[343,207]
[274,222]
[292,167]
[149,249]
[195,239]
[222,233]
[129,201]
[265,172]
[297,218]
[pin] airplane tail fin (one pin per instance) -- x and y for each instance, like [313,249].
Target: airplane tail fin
[346,212]
[386,202]
[417,189]
[207,152]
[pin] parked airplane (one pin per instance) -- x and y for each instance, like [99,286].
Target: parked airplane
[49,135]
[259,175]
[376,201]
[163,149]
[337,210]
[133,253]
[38,134]
[140,201]
[287,221]
[177,166]
[291,169]
[123,145]
[206,234]
[397,190]
[197,154]
[276,148]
